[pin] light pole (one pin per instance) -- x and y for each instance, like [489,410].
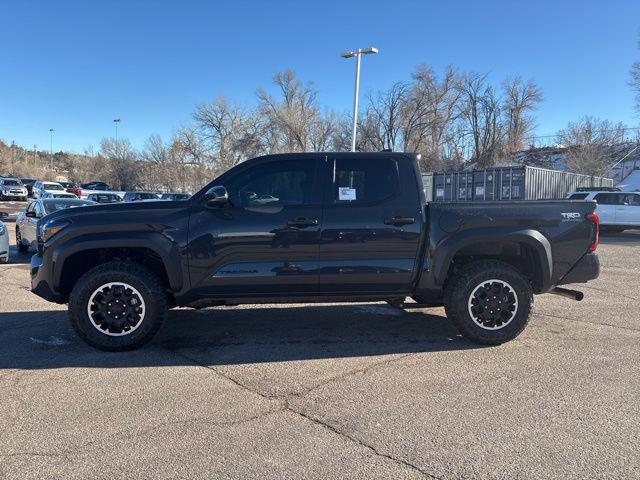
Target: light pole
[357,53]
[116,121]
[51,130]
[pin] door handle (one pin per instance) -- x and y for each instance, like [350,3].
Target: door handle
[302,222]
[397,221]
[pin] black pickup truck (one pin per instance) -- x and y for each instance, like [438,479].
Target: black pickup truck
[311,227]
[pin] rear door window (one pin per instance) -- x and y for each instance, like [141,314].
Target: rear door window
[364,181]
[607,198]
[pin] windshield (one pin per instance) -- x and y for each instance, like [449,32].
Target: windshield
[12,182]
[53,186]
[102,197]
[53,205]
[144,196]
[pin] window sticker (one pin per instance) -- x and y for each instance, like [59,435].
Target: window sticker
[346,193]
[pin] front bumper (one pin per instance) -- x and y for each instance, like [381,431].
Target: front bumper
[587,268]
[40,280]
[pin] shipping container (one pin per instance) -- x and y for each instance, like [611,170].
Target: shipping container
[506,183]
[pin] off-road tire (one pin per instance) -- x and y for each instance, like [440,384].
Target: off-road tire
[143,280]
[459,289]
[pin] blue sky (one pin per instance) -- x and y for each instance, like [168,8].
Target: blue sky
[76,65]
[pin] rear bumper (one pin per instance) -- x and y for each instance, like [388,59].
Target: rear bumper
[40,280]
[587,268]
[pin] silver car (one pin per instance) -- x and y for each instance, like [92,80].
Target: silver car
[4,243]
[27,220]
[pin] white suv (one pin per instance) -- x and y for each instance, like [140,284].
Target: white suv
[618,211]
[40,189]
[12,188]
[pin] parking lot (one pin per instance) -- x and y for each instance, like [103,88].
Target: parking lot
[336,391]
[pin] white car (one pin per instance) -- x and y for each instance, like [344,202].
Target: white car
[12,188]
[40,188]
[617,210]
[4,243]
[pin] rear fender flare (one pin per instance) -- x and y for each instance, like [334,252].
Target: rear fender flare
[539,244]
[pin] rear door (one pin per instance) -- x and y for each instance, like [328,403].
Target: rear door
[372,220]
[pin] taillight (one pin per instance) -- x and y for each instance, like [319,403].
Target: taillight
[596,239]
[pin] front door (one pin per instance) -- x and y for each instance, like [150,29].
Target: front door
[265,240]
[372,223]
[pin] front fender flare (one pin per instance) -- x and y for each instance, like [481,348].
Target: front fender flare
[166,249]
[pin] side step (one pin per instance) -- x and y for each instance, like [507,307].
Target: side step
[401,304]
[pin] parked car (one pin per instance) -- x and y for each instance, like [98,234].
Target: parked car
[28,183]
[104,197]
[4,243]
[337,227]
[27,220]
[618,211]
[58,195]
[72,188]
[96,186]
[12,188]
[40,188]
[175,196]
[139,196]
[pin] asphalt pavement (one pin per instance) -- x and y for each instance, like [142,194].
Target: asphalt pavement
[333,391]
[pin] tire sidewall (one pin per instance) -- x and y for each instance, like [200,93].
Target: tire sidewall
[90,333]
[461,293]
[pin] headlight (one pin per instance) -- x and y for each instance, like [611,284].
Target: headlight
[49,228]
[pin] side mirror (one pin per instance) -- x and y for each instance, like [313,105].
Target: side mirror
[216,197]
[31,214]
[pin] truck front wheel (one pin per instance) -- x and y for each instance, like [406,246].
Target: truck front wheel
[489,302]
[117,306]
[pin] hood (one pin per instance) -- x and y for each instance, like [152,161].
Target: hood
[117,210]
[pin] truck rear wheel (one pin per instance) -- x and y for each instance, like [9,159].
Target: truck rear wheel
[117,306]
[489,302]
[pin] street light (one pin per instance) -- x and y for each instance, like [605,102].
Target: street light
[51,130]
[357,53]
[116,121]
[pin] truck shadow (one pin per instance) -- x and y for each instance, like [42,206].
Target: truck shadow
[234,336]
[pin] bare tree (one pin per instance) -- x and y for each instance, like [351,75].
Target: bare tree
[588,143]
[634,81]
[431,114]
[219,125]
[293,119]
[520,99]
[123,170]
